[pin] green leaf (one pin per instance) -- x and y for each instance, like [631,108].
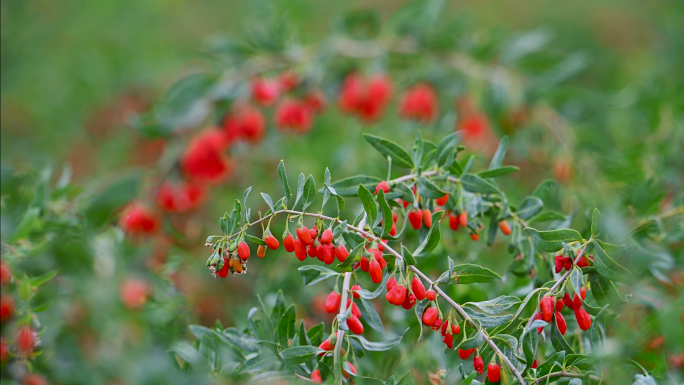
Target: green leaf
[368,204]
[577,280]
[552,240]
[269,201]
[420,308]
[417,151]
[387,220]
[369,314]
[497,172]
[477,185]
[496,305]
[25,289]
[309,192]
[399,156]
[371,295]
[255,240]
[349,187]
[469,273]
[500,153]
[301,180]
[603,290]
[488,321]
[558,341]
[299,354]
[471,341]
[41,279]
[608,268]
[314,274]
[445,149]
[595,218]
[283,178]
[428,189]
[525,301]
[543,187]
[432,240]
[189,354]
[529,342]
[640,379]
[556,360]
[406,193]
[408,257]
[340,200]
[379,346]
[101,207]
[547,216]
[326,183]
[530,207]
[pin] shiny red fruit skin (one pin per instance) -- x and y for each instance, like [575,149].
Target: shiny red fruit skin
[431,295]
[327,237]
[332,303]
[354,289]
[415,219]
[534,364]
[223,273]
[560,322]
[419,103]
[375,271]
[409,301]
[568,302]
[478,365]
[505,228]
[546,308]
[137,219]
[303,234]
[311,251]
[448,340]
[464,354]
[341,253]
[391,283]
[453,221]
[493,372]
[243,251]
[429,316]
[272,242]
[463,219]
[179,198]
[295,115]
[418,288]
[583,318]
[427,218]
[355,324]
[382,186]
[559,305]
[364,264]
[204,160]
[261,251]
[536,317]
[316,376]
[289,243]
[474,236]
[299,249]
[245,122]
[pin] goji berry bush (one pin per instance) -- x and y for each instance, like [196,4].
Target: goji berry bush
[510,191]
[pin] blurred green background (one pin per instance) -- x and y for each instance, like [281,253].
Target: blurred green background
[74,73]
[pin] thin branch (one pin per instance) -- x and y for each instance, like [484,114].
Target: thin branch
[566,374]
[439,291]
[340,332]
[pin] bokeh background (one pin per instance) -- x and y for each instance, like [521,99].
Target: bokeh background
[602,107]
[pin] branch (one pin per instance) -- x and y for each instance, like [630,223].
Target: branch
[439,291]
[566,374]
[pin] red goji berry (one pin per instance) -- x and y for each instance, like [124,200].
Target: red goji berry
[443,200]
[463,219]
[583,318]
[453,221]
[25,340]
[261,251]
[303,234]
[355,290]
[474,236]
[546,308]
[415,218]
[464,354]
[375,271]
[560,323]
[289,243]
[355,324]
[299,249]
[429,316]
[316,377]
[327,237]
[243,250]
[478,365]
[332,303]
[427,218]
[493,372]
[418,288]
[505,228]
[431,295]
[341,253]
[409,301]
[382,186]
[364,263]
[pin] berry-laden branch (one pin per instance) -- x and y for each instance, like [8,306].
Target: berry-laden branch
[347,278]
[435,187]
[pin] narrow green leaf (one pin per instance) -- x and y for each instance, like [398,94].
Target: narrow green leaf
[543,187]
[445,149]
[497,172]
[428,189]
[552,240]
[369,314]
[558,341]
[432,240]
[500,153]
[299,354]
[488,321]
[530,207]
[400,157]
[387,220]
[547,216]
[283,178]
[496,305]
[314,274]
[349,187]
[469,273]
[368,204]
[608,268]
[269,201]
[595,218]
[477,185]
[473,340]
[309,192]
[255,240]
[301,180]
[41,279]
[372,295]
[577,280]
[408,257]
[326,183]
[340,200]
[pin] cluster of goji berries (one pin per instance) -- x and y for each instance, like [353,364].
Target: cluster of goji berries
[550,309]
[566,263]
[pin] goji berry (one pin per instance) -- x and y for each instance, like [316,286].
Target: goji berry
[505,228]
[567,263]
[375,271]
[25,340]
[133,293]
[261,251]
[419,102]
[391,283]
[289,243]
[418,288]
[327,237]
[179,198]
[429,316]
[559,305]
[382,186]
[245,122]
[352,368]
[534,364]
[303,234]
[311,251]
[453,221]
[569,302]
[355,290]
[288,80]
[431,295]
[341,253]
[443,200]
[355,324]
[223,272]
[137,219]
[325,345]
[316,376]
[583,318]
[478,365]
[332,303]
[365,264]
[546,308]
[560,322]
[265,91]
[6,308]
[243,250]
[538,317]
[354,309]
[315,100]
[409,301]
[448,340]
[583,262]
[493,372]
[415,218]
[299,249]
[204,160]
[393,230]
[463,219]
[474,236]
[427,218]
[4,349]
[5,273]
[464,354]
[271,241]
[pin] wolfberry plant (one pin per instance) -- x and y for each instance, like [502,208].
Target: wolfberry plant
[498,332]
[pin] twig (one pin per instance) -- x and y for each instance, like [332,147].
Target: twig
[439,291]
[566,374]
